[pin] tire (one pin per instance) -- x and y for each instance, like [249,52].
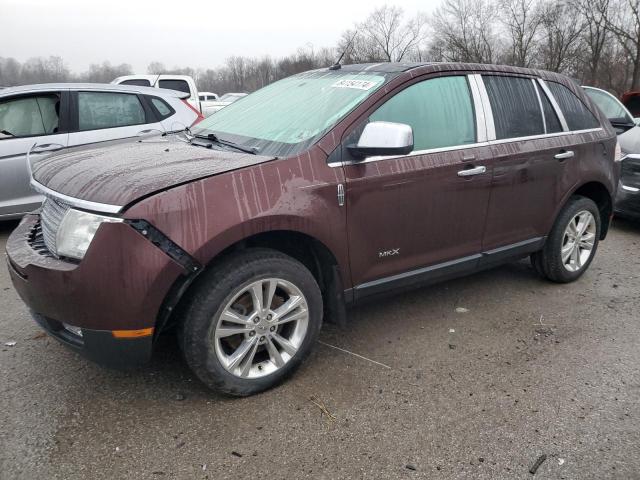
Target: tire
[235,287]
[549,262]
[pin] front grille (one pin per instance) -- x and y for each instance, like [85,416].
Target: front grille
[36,241]
[51,215]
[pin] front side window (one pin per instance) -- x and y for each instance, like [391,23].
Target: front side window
[29,116]
[515,106]
[288,116]
[108,110]
[439,110]
[179,85]
[575,112]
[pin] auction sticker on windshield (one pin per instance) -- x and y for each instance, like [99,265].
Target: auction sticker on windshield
[357,84]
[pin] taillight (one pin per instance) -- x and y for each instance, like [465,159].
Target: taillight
[617,155]
[200,116]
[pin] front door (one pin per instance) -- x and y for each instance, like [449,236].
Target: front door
[416,216]
[34,123]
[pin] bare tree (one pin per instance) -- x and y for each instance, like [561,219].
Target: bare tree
[561,29]
[521,20]
[464,31]
[623,21]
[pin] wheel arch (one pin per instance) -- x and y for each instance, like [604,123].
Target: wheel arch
[308,250]
[602,197]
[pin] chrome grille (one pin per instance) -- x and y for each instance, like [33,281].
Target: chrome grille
[51,216]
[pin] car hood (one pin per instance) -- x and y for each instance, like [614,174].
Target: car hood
[120,173]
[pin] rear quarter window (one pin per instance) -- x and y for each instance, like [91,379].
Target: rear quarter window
[576,113]
[163,109]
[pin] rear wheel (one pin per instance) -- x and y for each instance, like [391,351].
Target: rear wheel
[251,322]
[572,244]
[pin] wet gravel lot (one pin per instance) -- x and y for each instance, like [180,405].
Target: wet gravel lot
[485,374]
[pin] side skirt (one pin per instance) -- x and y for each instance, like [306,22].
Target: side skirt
[446,270]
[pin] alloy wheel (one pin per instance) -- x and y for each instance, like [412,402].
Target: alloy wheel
[578,241]
[261,328]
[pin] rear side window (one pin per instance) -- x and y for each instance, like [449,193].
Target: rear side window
[108,110]
[514,102]
[179,85]
[164,110]
[30,116]
[575,112]
[140,82]
[202,98]
[439,110]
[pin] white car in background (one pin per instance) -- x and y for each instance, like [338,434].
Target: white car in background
[223,101]
[207,97]
[181,83]
[41,119]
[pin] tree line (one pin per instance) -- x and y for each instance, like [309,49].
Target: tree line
[597,42]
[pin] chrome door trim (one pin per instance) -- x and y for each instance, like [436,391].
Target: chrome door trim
[547,135]
[486,105]
[481,117]
[554,104]
[537,90]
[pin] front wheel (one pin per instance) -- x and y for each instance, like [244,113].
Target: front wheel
[572,244]
[251,321]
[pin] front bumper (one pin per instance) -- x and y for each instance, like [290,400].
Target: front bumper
[118,287]
[100,346]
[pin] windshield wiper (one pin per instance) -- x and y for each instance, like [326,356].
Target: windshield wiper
[214,138]
[7,133]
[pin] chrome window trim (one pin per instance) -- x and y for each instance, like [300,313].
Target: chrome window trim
[478,107]
[544,120]
[486,105]
[377,158]
[546,135]
[554,104]
[76,202]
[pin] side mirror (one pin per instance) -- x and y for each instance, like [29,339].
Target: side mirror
[383,138]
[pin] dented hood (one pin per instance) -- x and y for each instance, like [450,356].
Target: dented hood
[122,172]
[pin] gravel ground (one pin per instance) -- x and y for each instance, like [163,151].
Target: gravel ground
[480,377]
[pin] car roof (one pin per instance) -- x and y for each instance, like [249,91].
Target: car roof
[106,87]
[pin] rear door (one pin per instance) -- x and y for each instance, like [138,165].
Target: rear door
[525,174]
[37,122]
[417,216]
[101,116]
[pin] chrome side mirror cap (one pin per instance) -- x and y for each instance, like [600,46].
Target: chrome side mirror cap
[383,138]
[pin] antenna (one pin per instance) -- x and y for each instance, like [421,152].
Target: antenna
[337,66]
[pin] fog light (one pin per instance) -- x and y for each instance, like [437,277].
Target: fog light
[70,328]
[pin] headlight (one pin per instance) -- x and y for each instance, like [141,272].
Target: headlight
[76,232]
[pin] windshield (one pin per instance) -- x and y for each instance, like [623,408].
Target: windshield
[612,108]
[288,116]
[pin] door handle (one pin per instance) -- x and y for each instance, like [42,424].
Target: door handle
[564,155]
[47,147]
[469,172]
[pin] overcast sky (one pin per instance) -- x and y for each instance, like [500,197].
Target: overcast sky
[196,33]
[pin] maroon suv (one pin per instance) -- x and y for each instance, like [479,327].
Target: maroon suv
[311,194]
